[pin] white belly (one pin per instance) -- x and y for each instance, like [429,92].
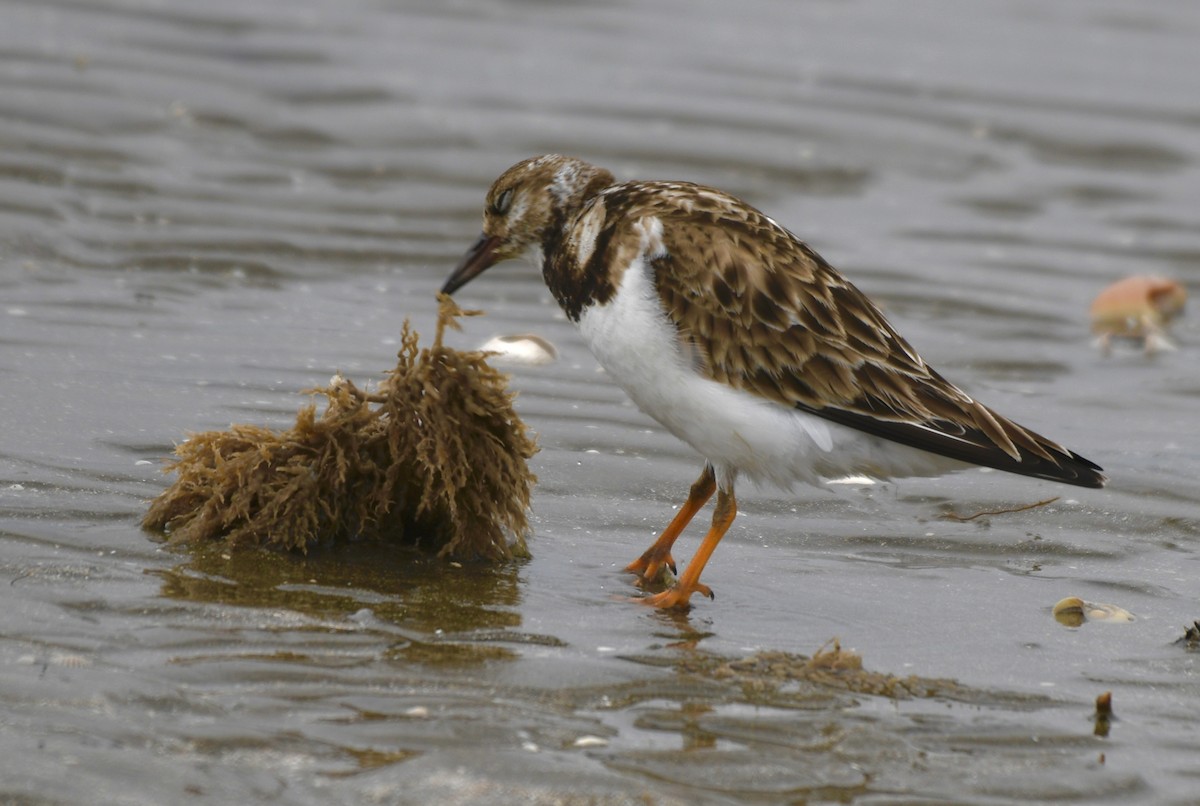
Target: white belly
[737,431]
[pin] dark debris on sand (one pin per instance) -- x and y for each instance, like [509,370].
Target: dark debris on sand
[831,667]
[1191,637]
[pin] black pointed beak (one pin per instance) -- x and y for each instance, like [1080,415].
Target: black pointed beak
[479,257]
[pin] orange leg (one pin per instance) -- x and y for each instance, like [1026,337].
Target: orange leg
[689,583]
[654,558]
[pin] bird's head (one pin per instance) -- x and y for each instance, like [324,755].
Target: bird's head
[524,207]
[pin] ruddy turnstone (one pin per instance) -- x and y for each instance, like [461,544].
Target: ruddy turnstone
[742,341]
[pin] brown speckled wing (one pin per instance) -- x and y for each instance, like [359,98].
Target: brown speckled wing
[763,312]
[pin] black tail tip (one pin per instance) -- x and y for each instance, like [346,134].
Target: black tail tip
[1087,473]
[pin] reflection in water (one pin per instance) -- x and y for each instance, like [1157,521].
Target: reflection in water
[695,737]
[445,612]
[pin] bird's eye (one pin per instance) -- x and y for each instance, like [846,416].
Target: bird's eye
[502,203]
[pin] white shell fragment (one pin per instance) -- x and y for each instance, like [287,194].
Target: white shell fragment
[524,348]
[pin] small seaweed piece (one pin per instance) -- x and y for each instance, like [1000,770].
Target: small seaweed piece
[954,516]
[439,461]
[768,675]
[1191,637]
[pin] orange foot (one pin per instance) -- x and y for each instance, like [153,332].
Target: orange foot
[650,566]
[676,597]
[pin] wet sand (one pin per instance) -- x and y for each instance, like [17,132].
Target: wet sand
[204,211]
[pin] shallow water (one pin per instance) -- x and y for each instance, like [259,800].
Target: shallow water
[205,208]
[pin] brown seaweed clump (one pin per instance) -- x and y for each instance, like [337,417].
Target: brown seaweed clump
[436,457]
[768,674]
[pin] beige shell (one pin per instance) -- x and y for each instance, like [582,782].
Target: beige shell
[1073,612]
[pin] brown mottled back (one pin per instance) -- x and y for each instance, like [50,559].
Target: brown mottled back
[765,313]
